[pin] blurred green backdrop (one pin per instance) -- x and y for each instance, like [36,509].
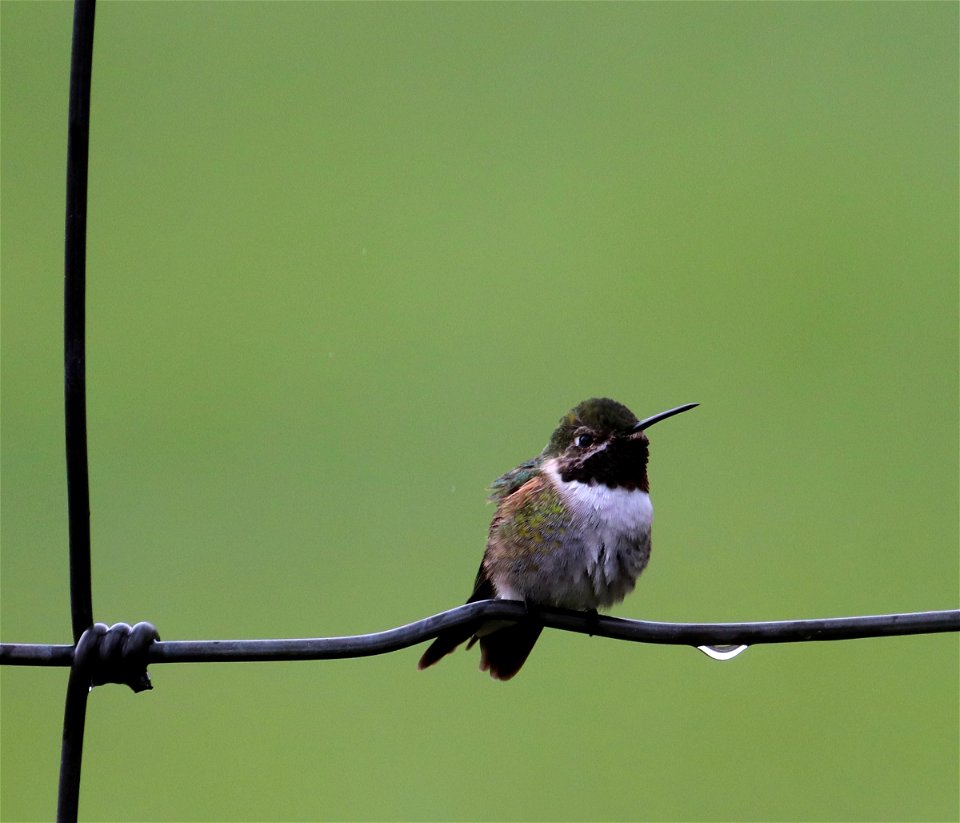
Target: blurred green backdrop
[348,263]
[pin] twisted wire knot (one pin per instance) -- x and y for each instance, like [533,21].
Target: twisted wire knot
[116,654]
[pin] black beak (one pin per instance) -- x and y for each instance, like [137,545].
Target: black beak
[649,421]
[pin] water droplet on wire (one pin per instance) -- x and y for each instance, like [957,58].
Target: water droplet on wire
[722,652]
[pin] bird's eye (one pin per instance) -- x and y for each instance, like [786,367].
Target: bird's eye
[583,441]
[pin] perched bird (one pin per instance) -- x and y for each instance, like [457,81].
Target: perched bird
[571,530]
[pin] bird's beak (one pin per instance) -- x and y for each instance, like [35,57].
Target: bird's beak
[649,421]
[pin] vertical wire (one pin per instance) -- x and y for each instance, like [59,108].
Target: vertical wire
[71,749]
[74,349]
[75,399]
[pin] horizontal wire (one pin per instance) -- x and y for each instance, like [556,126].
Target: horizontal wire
[637,631]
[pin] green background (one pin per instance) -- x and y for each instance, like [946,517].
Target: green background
[348,263]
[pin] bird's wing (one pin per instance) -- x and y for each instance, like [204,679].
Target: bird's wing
[449,639]
[508,483]
[482,587]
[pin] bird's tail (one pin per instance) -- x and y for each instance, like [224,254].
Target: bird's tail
[445,643]
[504,646]
[448,640]
[503,652]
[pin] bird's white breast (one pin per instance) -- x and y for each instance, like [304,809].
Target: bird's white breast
[614,527]
[615,511]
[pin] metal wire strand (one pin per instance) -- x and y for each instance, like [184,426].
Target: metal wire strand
[74,349]
[75,396]
[71,750]
[391,640]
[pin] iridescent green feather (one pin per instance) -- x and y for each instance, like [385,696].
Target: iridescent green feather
[508,483]
[538,525]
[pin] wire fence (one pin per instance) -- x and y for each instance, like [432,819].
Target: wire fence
[121,653]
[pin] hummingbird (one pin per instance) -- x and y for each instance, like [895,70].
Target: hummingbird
[571,530]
